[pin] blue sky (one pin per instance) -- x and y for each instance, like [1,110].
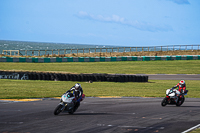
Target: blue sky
[102,22]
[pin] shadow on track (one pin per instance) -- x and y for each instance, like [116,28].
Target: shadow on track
[182,106]
[62,114]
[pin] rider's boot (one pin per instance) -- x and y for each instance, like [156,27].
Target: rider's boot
[76,106]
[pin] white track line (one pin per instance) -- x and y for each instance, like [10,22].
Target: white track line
[192,128]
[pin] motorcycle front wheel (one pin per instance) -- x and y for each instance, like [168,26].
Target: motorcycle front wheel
[180,102]
[164,102]
[58,110]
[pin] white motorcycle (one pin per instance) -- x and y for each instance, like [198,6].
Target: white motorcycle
[67,103]
[173,96]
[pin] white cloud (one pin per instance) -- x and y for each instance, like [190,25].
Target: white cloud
[113,18]
[120,20]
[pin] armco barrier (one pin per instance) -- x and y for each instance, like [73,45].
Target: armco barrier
[72,77]
[98,59]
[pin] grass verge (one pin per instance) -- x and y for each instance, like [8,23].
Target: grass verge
[21,89]
[123,67]
[196,131]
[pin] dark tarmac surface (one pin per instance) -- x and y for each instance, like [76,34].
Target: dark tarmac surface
[102,115]
[172,76]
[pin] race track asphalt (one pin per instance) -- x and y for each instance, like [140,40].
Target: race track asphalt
[100,115]
[172,76]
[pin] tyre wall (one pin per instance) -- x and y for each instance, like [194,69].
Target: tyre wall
[72,77]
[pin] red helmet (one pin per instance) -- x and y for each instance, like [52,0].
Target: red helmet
[182,83]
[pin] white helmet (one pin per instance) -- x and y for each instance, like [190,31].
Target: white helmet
[77,85]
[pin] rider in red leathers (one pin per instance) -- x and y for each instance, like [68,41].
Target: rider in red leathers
[181,86]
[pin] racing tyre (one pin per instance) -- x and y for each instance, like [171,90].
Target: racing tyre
[183,100]
[164,102]
[71,112]
[178,103]
[58,110]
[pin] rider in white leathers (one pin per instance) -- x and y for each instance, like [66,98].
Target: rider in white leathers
[78,92]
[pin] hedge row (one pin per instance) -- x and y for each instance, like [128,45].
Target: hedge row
[80,77]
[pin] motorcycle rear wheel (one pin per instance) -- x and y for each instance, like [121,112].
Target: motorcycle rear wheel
[71,112]
[58,110]
[164,102]
[179,103]
[183,100]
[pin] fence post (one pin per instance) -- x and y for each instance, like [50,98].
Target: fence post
[77,51]
[83,50]
[154,48]
[45,52]
[32,52]
[148,49]
[106,50]
[136,49]
[161,48]
[95,50]
[71,51]
[112,50]
[173,47]
[52,52]
[130,49]
[38,52]
[185,47]
[180,47]
[89,50]
[64,51]
[58,52]
[25,52]
[118,50]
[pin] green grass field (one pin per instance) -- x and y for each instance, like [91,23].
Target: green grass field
[123,67]
[196,131]
[41,89]
[154,88]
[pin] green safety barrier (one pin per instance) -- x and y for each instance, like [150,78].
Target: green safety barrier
[35,60]
[113,59]
[47,60]
[91,59]
[22,59]
[98,59]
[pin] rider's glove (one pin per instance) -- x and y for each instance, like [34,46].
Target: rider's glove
[174,87]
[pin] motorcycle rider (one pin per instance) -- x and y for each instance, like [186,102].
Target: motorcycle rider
[78,92]
[181,86]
